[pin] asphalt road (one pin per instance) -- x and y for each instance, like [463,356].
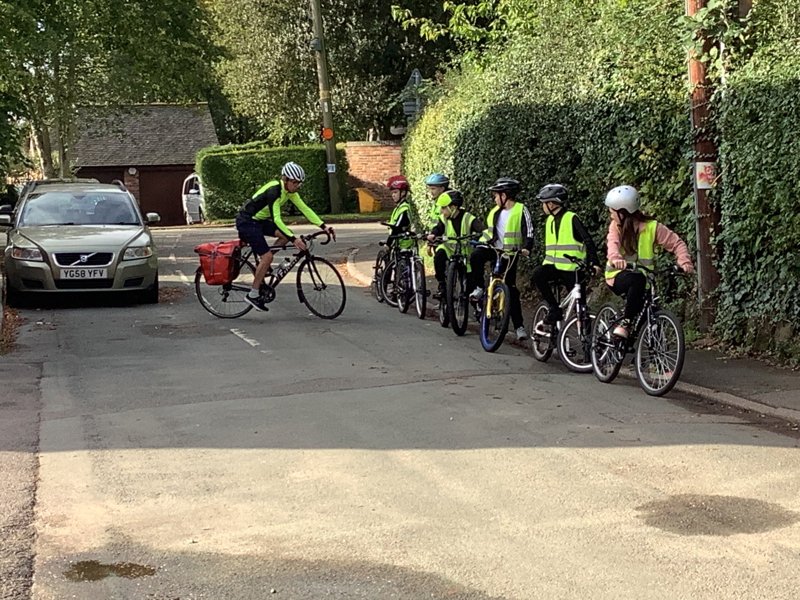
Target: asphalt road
[375,456]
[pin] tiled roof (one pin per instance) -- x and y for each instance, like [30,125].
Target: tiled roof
[155,134]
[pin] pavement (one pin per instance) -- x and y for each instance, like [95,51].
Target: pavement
[743,383]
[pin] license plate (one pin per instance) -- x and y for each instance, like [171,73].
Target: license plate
[84,273]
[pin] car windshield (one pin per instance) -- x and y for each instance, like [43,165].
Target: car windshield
[79,208]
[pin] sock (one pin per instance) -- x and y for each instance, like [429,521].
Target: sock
[253,294]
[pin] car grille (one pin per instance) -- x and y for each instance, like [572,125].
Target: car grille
[73,259]
[84,284]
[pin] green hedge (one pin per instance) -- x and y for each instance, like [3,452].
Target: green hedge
[231,175]
[759,304]
[613,112]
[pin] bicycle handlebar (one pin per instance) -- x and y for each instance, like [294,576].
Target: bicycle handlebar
[329,236]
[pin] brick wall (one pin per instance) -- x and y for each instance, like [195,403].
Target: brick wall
[132,183]
[371,164]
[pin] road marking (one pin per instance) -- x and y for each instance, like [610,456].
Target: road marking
[183,277]
[243,336]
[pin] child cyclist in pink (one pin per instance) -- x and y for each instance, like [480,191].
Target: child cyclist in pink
[633,237]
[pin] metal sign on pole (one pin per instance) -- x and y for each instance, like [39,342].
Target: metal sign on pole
[327,133]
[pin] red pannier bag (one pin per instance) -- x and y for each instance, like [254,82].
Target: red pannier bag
[217,259]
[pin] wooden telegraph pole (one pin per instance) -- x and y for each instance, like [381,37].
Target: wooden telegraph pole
[327,134]
[707,215]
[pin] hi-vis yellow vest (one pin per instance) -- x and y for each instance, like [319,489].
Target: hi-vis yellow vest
[557,245]
[646,252]
[513,236]
[401,208]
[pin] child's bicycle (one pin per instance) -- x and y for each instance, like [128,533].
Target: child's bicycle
[572,336]
[494,308]
[403,279]
[656,337]
[454,305]
[319,285]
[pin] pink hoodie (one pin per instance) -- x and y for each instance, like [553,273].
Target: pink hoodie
[665,237]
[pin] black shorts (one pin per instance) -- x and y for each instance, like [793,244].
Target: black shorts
[255,232]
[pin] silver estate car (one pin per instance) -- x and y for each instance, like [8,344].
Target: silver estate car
[78,237]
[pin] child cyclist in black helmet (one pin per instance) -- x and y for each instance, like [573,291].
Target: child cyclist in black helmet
[564,235]
[455,222]
[508,227]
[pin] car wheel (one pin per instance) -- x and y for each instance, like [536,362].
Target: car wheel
[150,295]
[201,218]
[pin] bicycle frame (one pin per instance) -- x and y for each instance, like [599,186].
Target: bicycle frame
[498,275]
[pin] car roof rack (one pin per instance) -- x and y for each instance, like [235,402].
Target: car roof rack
[119,184]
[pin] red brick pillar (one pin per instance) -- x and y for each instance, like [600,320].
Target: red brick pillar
[370,164]
[131,182]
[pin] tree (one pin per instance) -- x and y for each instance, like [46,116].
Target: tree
[64,54]
[268,72]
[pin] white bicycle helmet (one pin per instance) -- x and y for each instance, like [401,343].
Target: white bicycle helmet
[623,197]
[291,170]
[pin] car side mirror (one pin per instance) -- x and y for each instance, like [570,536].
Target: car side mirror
[5,220]
[153,218]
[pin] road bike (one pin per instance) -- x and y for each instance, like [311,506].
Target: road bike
[572,335]
[319,285]
[493,310]
[656,337]
[403,280]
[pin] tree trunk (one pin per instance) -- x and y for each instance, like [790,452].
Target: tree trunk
[41,135]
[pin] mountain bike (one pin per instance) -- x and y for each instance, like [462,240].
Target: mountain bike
[319,285]
[572,335]
[494,308]
[405,277]
[386,255]
[656,337]
[454,307]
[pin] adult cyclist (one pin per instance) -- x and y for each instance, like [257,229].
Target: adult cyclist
[261,216]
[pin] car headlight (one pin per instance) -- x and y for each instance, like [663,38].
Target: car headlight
[26,253]
[134,252]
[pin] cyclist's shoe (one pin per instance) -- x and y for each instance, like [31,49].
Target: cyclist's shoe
[439,293]
[521,334]
[476,295]
[554,315]
[257,303]
[621,330]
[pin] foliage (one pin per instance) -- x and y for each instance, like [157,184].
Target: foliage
[536,109]
[71,53]
[759,303]
[269,71]
[232,174]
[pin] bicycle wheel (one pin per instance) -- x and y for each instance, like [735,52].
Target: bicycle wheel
[443,313]
[494,323]
[575,346]
[607,355]
[380,266]
[541,333]
[457,298]
[403,285]
[226,301]
[420,291]
[660,352]
[321,288]
[387,283]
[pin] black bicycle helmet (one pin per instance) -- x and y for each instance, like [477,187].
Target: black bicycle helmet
[553,192]
[450,197]
[510,186]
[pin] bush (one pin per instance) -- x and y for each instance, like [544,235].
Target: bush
[232,174]
[614,112]
[760,127]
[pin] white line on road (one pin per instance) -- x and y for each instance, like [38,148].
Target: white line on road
[243,336]
[183,277]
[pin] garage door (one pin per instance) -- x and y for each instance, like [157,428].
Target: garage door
[160,191]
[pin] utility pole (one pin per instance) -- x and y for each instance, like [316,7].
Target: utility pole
[328,137]
[707,214]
